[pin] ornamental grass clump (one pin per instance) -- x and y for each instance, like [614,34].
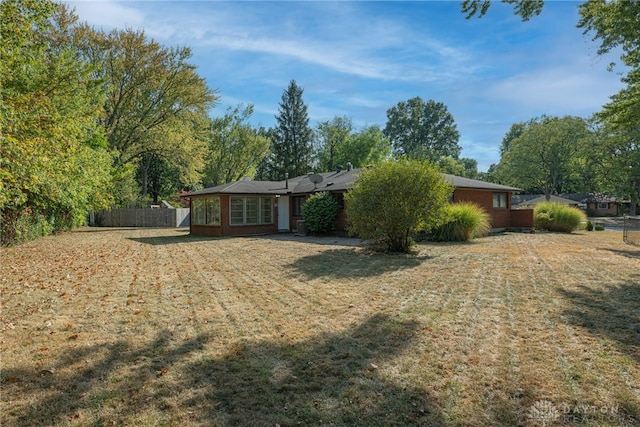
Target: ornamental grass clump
[464,221]
[557,217]
[320,212]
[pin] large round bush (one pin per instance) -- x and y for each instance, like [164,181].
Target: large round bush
[393,200]
[320,212]
[464,221]
[557,217]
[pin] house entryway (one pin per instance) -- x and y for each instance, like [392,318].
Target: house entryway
[283,214]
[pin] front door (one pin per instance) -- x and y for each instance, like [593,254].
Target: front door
[283,213]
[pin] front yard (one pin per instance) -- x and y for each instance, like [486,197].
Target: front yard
[106,327]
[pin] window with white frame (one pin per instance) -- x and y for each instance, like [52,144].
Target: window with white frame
[251,210]
[500,200]
[205,210]
[603,205]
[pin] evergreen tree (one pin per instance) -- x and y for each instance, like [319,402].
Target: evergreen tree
[291,145]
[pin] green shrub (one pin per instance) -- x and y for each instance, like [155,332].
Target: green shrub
[24,225]
[558,217]
[464,221]
[589,226]
[599,227]
[320,212]
[392,201]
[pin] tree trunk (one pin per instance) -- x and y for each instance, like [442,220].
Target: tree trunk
[145,173]
[634,203]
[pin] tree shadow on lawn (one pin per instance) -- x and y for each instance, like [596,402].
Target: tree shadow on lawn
[612,313]
[353,262]
[334,378]
[170,240]
[623,252]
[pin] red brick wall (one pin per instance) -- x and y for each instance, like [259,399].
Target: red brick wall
[522,218]
[225,229]
[500,218]
[206,230]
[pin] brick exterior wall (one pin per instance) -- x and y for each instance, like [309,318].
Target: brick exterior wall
[500,217]
[522,218]
[226,229]
[592,209]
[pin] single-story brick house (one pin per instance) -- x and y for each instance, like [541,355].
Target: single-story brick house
[265,207]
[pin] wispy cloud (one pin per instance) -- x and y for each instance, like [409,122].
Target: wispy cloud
[555,90]
[109,14]
[360,58]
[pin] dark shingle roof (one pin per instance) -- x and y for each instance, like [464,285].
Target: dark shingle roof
[245,187]
[331,181]
[576,197]
[543,198]
[460,182]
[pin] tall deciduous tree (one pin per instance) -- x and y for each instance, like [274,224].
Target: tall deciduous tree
[291,144]
[546,156]
[53,162]
[235,148]
[156,103]
[464,167]
[365,147]
[337,144]
[331,137]
[422,130]
[616,24]
[617,162]
[158,177]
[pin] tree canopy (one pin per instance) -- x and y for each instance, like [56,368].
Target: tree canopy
[81,110]
[54,166]
[422,130]
[526,9]
[338,144]
[546,155]
[235,147]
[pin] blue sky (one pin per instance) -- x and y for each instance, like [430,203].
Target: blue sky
[358,59]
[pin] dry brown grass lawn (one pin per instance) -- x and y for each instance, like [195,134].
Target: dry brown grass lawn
[154,327]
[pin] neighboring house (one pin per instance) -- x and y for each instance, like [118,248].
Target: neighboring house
[530,203]
[265,207]
[594,204]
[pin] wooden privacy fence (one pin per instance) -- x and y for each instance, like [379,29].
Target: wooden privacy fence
[166,218]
